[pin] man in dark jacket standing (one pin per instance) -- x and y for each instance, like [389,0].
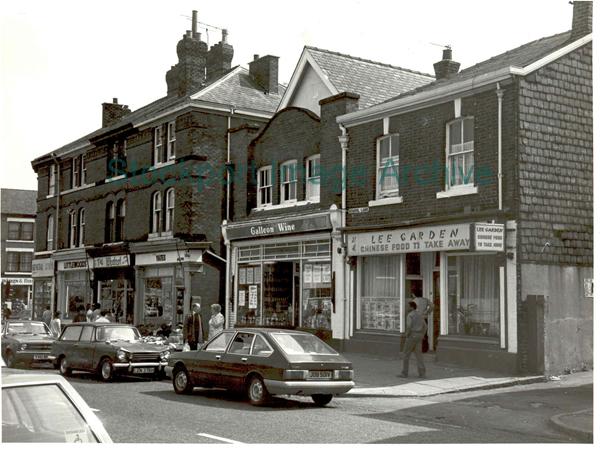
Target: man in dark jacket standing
[192,329]
[415,330]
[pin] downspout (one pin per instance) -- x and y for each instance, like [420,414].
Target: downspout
[231,113]
[227,274]
[57,190]
[343,139]
[500,94]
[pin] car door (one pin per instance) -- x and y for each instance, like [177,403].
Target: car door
[235,362]
[84,349]
[69,340]
[205,364]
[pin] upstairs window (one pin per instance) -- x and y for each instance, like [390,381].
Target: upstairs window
[50,233]
[289,182]
[117,160]
[76,172]
[73,229]
[388,166]
[156,212]
[110,225]
[81,231]
[171,140]
[169,209]
[20,231]
[459,153]
[52,180]
[264,186]
[313,178]
[158,145]
[19,262]
[120,225]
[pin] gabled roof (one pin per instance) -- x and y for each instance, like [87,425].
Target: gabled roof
[519,61]
[18,201]
[375,82]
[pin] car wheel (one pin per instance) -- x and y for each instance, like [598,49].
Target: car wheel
[257,392]
[63,366]
[322,399]
[106,370]
[182,384]
[9,358]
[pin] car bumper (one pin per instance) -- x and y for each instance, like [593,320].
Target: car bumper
[33,357]
[276,387]
[130,367]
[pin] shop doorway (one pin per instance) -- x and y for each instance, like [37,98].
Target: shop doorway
[278,288]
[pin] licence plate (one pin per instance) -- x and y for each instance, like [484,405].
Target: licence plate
[320,374]
[38,357]
[143,370]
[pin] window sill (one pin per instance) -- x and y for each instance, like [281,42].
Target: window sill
[281,206]
[162,164]
[386,201]
[50,196]
[45,252]
[20,241]
[75,189]
[118,177]
[18,273]
[457,191]
[159,236]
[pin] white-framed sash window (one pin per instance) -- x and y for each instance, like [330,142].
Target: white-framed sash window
[289,182]
[264,186]
[313,178]
[388,166]
[460,163]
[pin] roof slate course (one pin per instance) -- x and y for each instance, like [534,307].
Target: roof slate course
[18,201]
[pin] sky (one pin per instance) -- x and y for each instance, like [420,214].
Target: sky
[60,60]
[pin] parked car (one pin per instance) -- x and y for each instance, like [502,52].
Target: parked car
[40,407]
[108,349]
[264,362]
[26,341]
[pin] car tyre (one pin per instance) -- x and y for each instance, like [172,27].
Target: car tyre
[63,367]
[182,384]
[106,370]
[257,392]
[9,358]
[322,399]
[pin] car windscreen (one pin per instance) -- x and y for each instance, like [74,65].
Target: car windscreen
[117,334]
[41,413]
[27,328]
[302,344]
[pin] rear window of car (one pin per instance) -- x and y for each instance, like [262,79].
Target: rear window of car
[302,344]
[42,413]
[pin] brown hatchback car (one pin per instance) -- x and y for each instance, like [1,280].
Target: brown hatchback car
[108,349]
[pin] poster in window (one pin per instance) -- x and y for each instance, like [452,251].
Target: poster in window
[242,298]
[252,297]
[317,273]
[326,273]
[257,274]
[308,273]
[242,275]
[250,275]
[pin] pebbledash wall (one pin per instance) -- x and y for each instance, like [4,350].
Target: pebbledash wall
[555,199]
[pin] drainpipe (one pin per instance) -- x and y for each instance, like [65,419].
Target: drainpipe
[500,94]
[231,113]
[227,272]
[57,191]
[343,139]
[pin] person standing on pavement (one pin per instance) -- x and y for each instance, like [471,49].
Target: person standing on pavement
[216,322]
[102,317]
[96,312]
[55,327]
[89,312]
[415,330]
[47,316]
[192,329]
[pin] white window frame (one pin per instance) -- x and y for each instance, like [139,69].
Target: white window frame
[156,212]
[313,189]
[83,170]
[470,150]
[120,212]
[72,228]
[171,141]
[169,209]
[52,180]
[158,138]
[76,171]
[288,176]
[262,188]
[383,164]
[81,231]
[50,232]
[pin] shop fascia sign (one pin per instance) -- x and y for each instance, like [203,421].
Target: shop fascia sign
[487,237]
[42,268]
[170,257]
[305,224]
[106,262]
[18,281]
[77,264]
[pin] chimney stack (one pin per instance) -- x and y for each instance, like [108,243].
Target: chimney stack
[113,112]
[265,72]
[582,19]
[218,59]
[446,67]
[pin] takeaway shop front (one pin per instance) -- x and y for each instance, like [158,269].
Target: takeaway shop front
[459,268]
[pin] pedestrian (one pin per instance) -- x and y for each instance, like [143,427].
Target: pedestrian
[96,313]
[415,330]
[193,332]
[80,316]
[425,307]
[47,316]
[102,317]
[89,312]
[216,322]
[55,327]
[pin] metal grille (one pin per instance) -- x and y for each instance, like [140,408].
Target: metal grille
[39,347]
[145,357]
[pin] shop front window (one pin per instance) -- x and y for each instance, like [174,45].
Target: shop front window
[158,303]
[249,308]
[42,295]
[77,292]
[316,296]
[116,296]
[380,293]
[473,296]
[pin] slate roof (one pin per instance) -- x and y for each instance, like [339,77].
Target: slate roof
[518,57]
[18,201]
[375,82]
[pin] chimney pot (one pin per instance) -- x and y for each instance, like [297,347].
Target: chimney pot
[224,34]
[194,22]
[256,57]
[115,100]
[447,54]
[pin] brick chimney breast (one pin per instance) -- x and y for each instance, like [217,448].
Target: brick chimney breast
[265,72]
[582,19]
[218,59]
[446,67]
[113,112]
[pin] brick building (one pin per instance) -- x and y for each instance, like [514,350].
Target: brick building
[475,192]
[129,216]
[284,243]
[17,231]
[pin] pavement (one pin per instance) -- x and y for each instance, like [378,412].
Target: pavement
[378,376]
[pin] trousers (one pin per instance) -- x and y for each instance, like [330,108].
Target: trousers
[413,345]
